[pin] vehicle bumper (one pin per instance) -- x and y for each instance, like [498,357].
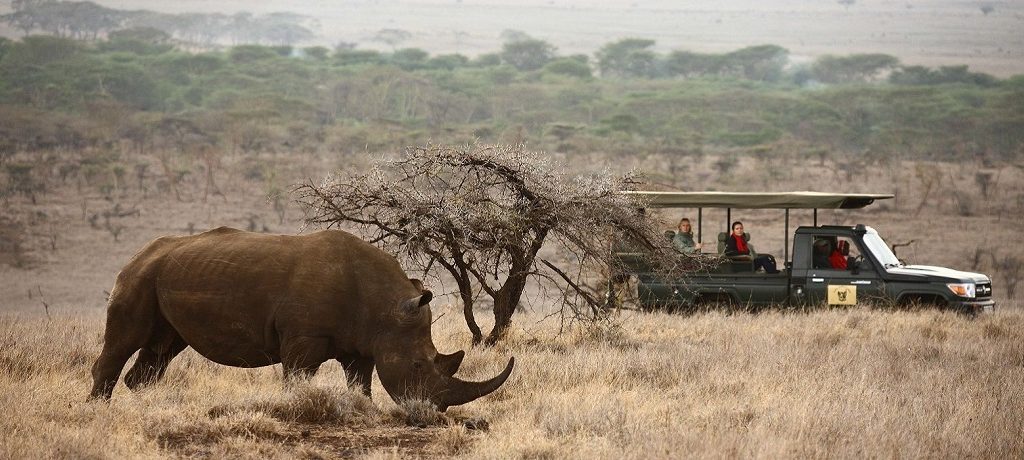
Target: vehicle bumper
[978,306]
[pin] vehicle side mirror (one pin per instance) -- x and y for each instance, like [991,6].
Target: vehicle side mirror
[670,234]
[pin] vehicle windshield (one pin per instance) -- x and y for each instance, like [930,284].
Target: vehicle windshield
[881,250]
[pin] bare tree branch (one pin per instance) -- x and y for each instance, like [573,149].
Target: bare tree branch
[483,213]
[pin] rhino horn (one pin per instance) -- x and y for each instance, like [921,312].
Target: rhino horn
[449,364]
[462,392]
[415,303]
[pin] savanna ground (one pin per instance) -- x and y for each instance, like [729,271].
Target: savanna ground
[841,383]
[844,383]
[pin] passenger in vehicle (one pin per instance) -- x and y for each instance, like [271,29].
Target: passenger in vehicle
[822,253]
[736,246]
[838,257]
[683,239]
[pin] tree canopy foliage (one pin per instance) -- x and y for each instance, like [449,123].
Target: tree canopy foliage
[527,54]
[853,68]
[626,58]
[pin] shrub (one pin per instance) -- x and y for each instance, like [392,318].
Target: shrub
[569,67]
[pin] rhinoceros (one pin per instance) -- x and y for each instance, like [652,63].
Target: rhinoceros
[249,300]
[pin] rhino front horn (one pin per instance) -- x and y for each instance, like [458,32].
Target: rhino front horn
[462,392]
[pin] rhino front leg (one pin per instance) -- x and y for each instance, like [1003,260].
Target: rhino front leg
[107,368]
[358,371]
[130,318]
[301,357]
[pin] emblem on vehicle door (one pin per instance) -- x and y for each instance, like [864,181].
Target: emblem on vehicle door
[842,295]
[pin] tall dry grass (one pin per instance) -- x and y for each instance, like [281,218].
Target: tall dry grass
[838,383]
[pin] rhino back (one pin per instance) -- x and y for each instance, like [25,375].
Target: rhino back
[233,296]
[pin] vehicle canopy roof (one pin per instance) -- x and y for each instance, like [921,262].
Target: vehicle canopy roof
[756,200]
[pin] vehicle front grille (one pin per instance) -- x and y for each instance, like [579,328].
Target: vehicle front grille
[983,290]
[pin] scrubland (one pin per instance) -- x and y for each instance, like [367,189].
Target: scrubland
[831,383]
[826,383]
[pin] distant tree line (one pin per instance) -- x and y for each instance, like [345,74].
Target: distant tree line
[137,89]
[90,21]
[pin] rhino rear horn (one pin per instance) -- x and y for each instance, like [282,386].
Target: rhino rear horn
[449,364]
[417,302]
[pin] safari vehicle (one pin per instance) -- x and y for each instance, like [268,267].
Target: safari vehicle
[872,272]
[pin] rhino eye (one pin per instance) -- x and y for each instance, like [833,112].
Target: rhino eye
[417,365]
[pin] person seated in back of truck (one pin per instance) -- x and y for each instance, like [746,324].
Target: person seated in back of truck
[821,255]
[736,246]
[683,239]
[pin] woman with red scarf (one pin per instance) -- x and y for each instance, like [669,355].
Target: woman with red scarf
[736,245]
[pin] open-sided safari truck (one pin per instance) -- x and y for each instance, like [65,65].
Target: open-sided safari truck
[863,269]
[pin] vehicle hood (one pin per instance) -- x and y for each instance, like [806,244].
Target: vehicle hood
[921,272]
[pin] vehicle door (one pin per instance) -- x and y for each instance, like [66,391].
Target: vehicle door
[830,282]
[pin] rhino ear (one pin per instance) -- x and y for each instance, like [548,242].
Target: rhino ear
[414,304]
[449,364]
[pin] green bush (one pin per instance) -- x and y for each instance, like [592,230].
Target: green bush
[249,53]
[569,67]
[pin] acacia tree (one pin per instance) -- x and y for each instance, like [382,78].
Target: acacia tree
[629,57]
[527,54]
[483,213]
[852,68]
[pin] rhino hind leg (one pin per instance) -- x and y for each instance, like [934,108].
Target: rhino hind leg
[153,359]
[358,371]
[301,357]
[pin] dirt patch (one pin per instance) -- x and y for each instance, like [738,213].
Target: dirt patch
[307,440]
[347,442]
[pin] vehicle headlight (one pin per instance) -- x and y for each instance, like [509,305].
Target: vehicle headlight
[962,289]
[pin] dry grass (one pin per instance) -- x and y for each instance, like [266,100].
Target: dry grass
[856,383]
[832,383]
